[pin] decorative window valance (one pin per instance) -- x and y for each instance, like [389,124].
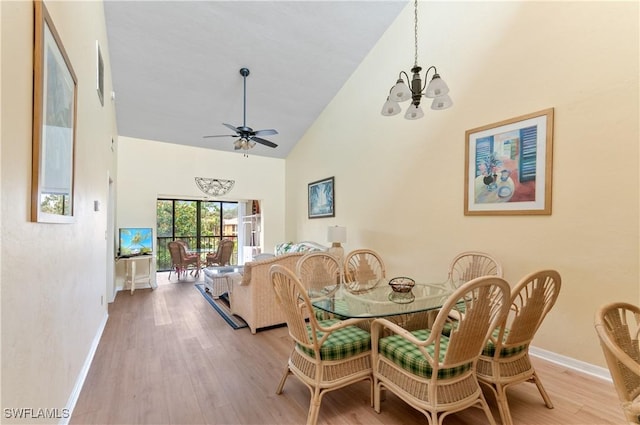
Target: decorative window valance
[214,187]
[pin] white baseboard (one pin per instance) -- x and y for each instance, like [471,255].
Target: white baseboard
[73,398]
[138,286]
[577,365]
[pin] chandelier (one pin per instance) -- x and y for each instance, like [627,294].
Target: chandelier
[437,89]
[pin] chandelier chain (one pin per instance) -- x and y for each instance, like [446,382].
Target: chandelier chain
[415,31]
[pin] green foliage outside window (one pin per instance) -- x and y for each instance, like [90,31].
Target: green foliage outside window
[201,224]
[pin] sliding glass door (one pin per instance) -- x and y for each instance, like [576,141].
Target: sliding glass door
[200,224]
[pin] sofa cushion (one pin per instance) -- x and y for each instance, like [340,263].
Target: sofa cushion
[304,246]
[283,248]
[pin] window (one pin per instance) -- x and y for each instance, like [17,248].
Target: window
[201,224]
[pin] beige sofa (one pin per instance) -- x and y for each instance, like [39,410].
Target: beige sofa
[253,298]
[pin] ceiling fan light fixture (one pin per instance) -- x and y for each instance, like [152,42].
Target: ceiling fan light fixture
[246,135]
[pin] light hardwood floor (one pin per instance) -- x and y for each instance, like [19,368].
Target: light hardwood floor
[166,357]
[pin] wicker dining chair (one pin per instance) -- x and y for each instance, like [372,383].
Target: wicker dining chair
[327,355]
[618,326]
[433,373]
[319,271]
[470,265]
[505,359]
[363,265]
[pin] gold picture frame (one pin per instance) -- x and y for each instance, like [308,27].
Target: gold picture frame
[55,90]
[508,166]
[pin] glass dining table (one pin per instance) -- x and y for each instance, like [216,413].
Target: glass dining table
[375,298]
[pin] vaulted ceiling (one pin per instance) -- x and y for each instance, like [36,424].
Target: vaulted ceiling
[175,65]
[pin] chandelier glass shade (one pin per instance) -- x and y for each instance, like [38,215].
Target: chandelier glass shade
[413,89]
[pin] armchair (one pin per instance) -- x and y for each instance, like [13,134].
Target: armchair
[433,373]
[618,326]
[181,261]
[223,255]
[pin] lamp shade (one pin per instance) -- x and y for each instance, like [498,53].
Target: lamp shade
[400,92]
[441,102]
[337,234]
[390,108]
[437,87]
[414,112]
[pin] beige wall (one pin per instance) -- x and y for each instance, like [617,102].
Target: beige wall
[148,170]
[399,183]
[53,278]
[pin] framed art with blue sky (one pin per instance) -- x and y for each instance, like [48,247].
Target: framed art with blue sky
[321,195]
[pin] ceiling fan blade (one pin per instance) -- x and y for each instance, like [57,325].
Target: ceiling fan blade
[264,142]
[222,135]
[268,132]
[230,127]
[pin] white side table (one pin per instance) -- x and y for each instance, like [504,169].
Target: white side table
[137,270]
[217,279]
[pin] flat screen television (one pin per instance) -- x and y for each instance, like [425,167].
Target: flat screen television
[135,241]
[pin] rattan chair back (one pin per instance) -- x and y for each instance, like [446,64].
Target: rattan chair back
[618,326]
[505,359]
[222,256]
[292,297]
[363,265]
[470,265]
[319,271]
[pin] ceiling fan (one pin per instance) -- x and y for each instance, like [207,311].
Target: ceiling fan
[247,137]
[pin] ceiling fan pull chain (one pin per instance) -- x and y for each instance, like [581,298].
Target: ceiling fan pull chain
[244,106]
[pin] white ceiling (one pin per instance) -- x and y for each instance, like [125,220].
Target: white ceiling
[175,65]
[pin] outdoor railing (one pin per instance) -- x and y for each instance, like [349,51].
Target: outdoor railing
[207,244]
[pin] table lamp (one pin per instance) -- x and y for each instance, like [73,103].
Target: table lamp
[337,235]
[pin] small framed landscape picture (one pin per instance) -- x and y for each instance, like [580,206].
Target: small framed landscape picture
[508,166]
[322,198]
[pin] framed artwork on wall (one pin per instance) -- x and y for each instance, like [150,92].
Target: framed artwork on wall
[54,125]
[321,195]
[99,74]
[508,166]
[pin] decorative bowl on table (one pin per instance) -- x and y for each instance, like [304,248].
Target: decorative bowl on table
[402,285]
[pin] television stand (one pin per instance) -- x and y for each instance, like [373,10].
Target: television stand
[137,269]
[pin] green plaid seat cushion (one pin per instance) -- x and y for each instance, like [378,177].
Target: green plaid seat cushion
[490,349]
[320,314]
[342,343]
[407,355]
